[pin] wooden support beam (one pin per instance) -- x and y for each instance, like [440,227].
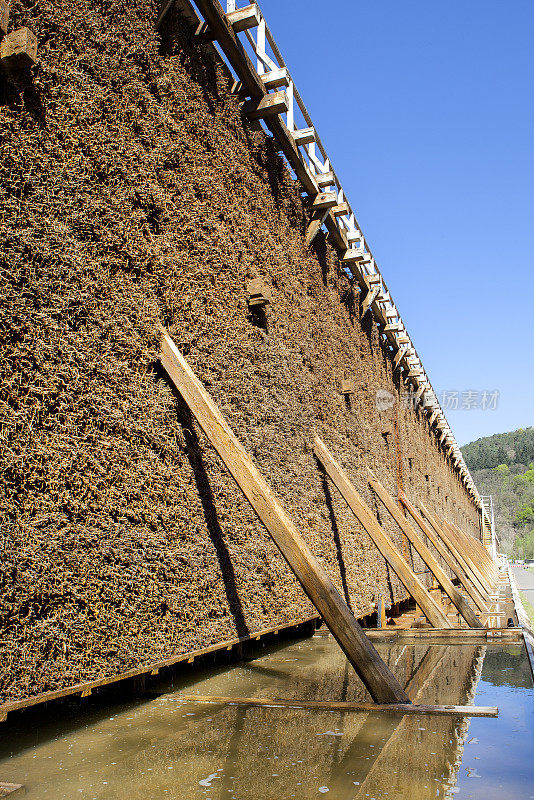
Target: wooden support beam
[325,179]
[380,682]
[400,355]
[275,78]
[369,299]
[341,210]
[483,554]
[335,705]
[324,200]
[304,136]
[407,577]
[464,564]
[445,554]
[355,255]
[244,18]
[437,571]
[314,226]
[268,106]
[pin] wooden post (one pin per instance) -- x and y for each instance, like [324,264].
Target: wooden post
[445,554]
[458,555]
[437,571]
[407,577]
[380,682]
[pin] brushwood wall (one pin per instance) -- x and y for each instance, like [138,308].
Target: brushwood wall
[134,190]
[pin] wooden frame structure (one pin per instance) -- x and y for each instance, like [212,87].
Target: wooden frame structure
[249,48]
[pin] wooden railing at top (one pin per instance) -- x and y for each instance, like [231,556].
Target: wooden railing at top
[245,30]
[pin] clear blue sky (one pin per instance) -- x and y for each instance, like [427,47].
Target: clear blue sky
[427,111]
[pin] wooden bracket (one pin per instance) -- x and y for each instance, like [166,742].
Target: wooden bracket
[304,136]
[324,200]
[268,106]
[18,50]
[347,386]
[244,18]
[259,293]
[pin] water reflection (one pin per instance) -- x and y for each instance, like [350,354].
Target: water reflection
[168,748]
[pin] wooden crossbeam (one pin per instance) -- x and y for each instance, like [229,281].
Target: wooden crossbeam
[445,554]
[335,705]
[314,226]
[379,680]
[437,571]
[361,511]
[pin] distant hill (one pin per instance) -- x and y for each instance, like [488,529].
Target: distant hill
[503,465]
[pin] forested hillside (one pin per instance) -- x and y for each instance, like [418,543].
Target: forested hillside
[503,466]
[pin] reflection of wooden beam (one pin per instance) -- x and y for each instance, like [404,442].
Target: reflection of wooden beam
[456,635]
[430,662]
[380,682]
[445,554]
[437,571]
[406,575]
[333,705]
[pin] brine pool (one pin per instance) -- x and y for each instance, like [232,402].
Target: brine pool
[165,747]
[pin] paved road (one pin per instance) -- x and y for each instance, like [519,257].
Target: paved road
[525,581]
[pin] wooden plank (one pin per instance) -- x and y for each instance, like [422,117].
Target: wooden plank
[409,580]
[437,571]
[445,554]
[458,555]
[380,682]
[454,635]
[268,106]
[334,705]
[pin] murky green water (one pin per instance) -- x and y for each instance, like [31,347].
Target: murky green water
[168,748]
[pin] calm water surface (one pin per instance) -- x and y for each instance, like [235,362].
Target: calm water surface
[170,748]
